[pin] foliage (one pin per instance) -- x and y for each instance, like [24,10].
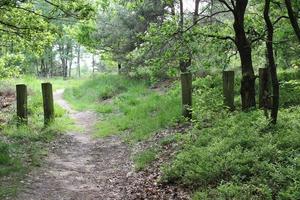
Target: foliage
[128,104]
[24,147]
[10,65]
[237,155]
[144,158]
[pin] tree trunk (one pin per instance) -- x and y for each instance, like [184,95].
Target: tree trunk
[245,52]
[271,62]
[51,64]
[184,64]
[70,68]
[186,88]
[78,61]
[93,63]
[293,18]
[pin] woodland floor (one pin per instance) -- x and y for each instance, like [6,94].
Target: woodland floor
[79,166]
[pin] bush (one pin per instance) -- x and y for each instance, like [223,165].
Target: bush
[238,155]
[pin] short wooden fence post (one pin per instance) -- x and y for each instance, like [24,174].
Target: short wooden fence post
[228,89]
[48,103]
[21,98]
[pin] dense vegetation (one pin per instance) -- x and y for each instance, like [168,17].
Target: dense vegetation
[24,147]
[160,65]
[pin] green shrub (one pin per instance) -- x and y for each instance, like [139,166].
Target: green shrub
[238,155]
[144,158]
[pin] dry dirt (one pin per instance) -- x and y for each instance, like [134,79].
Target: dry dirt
[80,167]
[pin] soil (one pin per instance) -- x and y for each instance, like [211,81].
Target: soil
[80,167]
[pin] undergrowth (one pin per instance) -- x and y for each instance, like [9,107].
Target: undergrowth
[227,155]
[239,155]
[126,105]
[24,147]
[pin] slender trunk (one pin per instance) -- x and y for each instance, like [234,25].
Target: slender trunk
[43,67]
[70,58]
[78,61]
[51,63]
[271,62]
[70,67]
[93,63]
[245,52]
[293,18]
[186,75]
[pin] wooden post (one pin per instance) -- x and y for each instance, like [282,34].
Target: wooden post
[264,88]
[228,89]
[186,88]
[119,68]
[48,103]
[21,91]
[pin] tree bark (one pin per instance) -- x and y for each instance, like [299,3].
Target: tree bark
[70,52]
[78,62]
[93,63]
[271,62]
[186,75]
[293,18]
[245,52]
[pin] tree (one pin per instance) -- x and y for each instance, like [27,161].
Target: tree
[238,9]
[271,62]
[293,18]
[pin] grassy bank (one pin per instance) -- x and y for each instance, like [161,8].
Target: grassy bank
[237,155]
[226,155]
[22,148]
[126,106]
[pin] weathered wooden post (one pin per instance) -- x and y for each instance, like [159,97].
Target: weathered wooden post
[119,68]
[48,103]
[186,83]
[228,89]
[21,97]
[264,88]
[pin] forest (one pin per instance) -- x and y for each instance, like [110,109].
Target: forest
[150,99]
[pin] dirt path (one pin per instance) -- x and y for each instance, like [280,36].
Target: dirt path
[80,167]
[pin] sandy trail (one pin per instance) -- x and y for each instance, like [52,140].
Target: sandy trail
[80,167]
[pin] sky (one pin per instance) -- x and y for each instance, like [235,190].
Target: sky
[188,5]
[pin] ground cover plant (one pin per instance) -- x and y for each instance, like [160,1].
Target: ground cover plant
[128,105]
[24,147]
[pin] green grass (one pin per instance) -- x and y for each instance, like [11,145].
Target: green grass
[22,148]
[144,158]
[127,105]
[227,155]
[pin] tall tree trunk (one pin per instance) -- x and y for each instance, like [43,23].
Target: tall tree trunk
[293,18]
[271,63]
[93,63]
[51,62]
[78,61]
[245,52]
[186,76]
[70,57]
[70,67]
